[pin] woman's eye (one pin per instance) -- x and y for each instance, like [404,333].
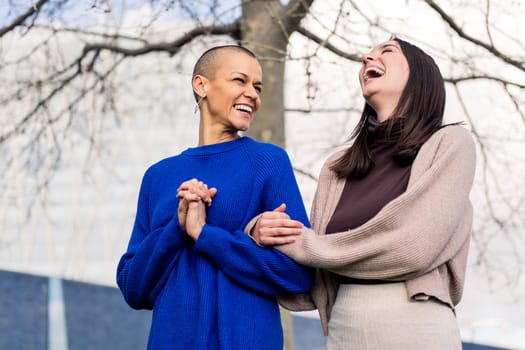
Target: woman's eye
[258,89]
[239,80]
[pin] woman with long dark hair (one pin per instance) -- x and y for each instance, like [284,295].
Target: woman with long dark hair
[391,218]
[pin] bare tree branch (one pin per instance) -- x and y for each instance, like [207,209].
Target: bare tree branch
[292,14]
[450,21]
[21,19]
[514,101]
[487,171]
[170,47]
[307,34]
[484,77]
[113,36]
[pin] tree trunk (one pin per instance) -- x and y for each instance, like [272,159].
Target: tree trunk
[266,26]
[262,35]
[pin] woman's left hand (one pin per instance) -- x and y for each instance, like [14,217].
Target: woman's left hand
[193,195]
[275,228]
[195,219]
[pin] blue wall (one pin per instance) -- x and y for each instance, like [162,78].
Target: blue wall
[97,318]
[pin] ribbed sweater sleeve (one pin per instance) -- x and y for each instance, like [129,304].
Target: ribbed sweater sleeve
[144,268]
[414,234]
[265,270]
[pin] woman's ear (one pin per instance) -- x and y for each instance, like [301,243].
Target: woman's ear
[200,85]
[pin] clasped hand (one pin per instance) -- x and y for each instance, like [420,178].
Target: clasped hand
[272,227]
[276,227]
[194,196]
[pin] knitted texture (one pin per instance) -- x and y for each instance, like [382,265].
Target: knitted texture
[220,291]
[421,237]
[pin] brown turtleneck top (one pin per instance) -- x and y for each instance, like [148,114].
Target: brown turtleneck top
[363,198]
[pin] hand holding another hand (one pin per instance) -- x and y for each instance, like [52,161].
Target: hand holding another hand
[194,196]
[195,190]
[276,227]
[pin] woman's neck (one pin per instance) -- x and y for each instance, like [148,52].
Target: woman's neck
[384,110]
[209,137]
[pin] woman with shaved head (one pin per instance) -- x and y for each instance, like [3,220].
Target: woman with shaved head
[209,286]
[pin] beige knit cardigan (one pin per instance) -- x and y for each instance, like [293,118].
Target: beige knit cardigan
[421,237]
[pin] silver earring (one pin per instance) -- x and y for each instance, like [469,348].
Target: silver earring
[197,106]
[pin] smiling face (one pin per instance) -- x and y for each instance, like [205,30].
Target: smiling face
[383,77]
[232,91]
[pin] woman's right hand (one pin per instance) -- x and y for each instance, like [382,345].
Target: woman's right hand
[276,227]
[192,191]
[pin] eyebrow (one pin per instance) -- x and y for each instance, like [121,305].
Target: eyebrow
[383,46]
[246,76]
[388,45]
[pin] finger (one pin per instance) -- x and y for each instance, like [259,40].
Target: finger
[190,185]
[191,197]
[213,192]
[210,195]
[274,215]
[280,208]
[183,206]
[182,212]
[187,183]
[280,232]
[206,193]
[181,193]
[271,241]
[290,223]
[280,222]
[199,188]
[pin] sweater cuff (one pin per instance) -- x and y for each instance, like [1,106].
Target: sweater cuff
[249,228]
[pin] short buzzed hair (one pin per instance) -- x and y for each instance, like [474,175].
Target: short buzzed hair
[206,65]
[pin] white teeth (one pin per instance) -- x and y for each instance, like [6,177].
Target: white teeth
[243,108]
[376,71]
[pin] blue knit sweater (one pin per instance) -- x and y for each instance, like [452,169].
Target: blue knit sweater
[218,292]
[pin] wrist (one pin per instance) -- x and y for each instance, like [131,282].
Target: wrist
[252,236]
[196,231]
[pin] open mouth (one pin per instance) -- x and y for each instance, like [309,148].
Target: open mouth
[373,72]
[243,108]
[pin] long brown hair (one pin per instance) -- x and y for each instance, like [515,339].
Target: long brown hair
[418,114]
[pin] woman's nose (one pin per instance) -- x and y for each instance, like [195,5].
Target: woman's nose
[367,57]
[250,91]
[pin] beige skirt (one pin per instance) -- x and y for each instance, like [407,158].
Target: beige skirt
[381,317]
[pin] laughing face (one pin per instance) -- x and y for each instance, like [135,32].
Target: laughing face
[383,77]
[233,92]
